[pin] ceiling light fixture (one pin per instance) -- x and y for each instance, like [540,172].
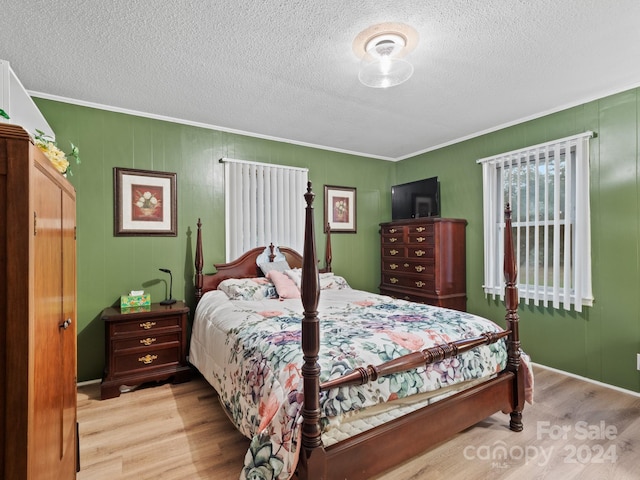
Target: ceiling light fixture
[382,48]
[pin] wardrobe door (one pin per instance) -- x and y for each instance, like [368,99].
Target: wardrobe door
[51,449]
[68,334]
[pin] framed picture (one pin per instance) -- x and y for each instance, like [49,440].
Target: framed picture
[144,203]
[340,209]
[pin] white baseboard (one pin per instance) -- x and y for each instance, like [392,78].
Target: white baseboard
[590,380]
[88,382]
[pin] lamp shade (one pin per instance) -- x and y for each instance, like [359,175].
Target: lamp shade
[385,73]
[382,66]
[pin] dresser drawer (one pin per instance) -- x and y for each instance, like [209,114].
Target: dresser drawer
[427,230]
[142,341]
[398,252]
[146,325]
[392,239]
[145,359]
[422,283]
[392,230]
[423,252]
[421,239]
[409,266]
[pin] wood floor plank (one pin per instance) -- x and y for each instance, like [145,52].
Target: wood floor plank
[574,430]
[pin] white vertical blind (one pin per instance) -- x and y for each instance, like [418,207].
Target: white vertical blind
[547,186]
[264,203]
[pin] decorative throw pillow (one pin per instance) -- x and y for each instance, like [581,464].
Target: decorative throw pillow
[328,280]
[254,289]
[284,285]
[279,266]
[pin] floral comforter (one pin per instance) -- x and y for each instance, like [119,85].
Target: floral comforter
[250,352]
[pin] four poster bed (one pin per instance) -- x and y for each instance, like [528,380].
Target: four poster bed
[386,380]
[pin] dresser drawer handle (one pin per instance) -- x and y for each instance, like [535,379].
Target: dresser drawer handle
[393,280]
[393,230]
[393,239]
[407,297]
[421,239]
[420,284]
[147,325]
[420,253]
[420,229]
[147,359]
[406,265]
[147,341]
[420,268]
[394,252]
[393,266]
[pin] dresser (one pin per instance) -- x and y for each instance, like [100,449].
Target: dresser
[423,260]
[144,344]
[38,434]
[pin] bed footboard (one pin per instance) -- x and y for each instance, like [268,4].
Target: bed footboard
[379,449]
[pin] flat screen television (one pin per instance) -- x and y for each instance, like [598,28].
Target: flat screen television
[416,199]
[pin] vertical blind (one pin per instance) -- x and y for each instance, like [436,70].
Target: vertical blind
[547,187]
[264,203]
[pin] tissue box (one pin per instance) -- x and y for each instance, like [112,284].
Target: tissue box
[129,301]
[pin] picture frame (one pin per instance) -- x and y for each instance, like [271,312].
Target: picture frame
[144,203]
[340,209]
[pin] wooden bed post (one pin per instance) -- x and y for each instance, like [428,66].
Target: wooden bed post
[311,433]
[512,319]
[199,263]
[327,250]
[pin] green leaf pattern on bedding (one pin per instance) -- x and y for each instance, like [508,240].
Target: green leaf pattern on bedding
[262,386]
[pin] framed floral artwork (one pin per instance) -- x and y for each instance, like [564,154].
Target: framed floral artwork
[340,209]
[144,203]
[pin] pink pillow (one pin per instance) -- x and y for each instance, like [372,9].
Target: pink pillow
[285,287]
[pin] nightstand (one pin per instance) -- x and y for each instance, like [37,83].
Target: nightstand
[144,345]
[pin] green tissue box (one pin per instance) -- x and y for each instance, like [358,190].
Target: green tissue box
[128,301]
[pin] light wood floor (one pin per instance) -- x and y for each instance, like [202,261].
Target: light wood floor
[180,432]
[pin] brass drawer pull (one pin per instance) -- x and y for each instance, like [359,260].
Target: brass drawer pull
[147,359]
[147,341]
[393,239]
[393,280]
[393,230]
[394,252]
[406,265]
[420,268]
[421,239]
[393,266]
[420,229]
[147,325]
[420,253]
[420,284]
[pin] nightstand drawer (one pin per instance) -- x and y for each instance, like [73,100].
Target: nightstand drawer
[149,358]
[146,325]
[151,340]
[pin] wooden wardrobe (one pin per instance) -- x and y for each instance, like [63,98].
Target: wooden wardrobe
[38,430]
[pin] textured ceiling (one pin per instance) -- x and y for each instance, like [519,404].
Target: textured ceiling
[286,69]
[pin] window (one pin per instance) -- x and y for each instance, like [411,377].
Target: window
[264,203]
[547,187]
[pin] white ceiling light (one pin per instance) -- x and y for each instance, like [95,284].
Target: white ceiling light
[381,48]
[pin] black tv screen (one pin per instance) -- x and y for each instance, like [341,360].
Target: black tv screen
[416,199]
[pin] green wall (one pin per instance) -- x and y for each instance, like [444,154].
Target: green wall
[600,343]
[109,266]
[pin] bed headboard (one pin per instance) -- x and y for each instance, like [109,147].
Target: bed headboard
[245,266]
